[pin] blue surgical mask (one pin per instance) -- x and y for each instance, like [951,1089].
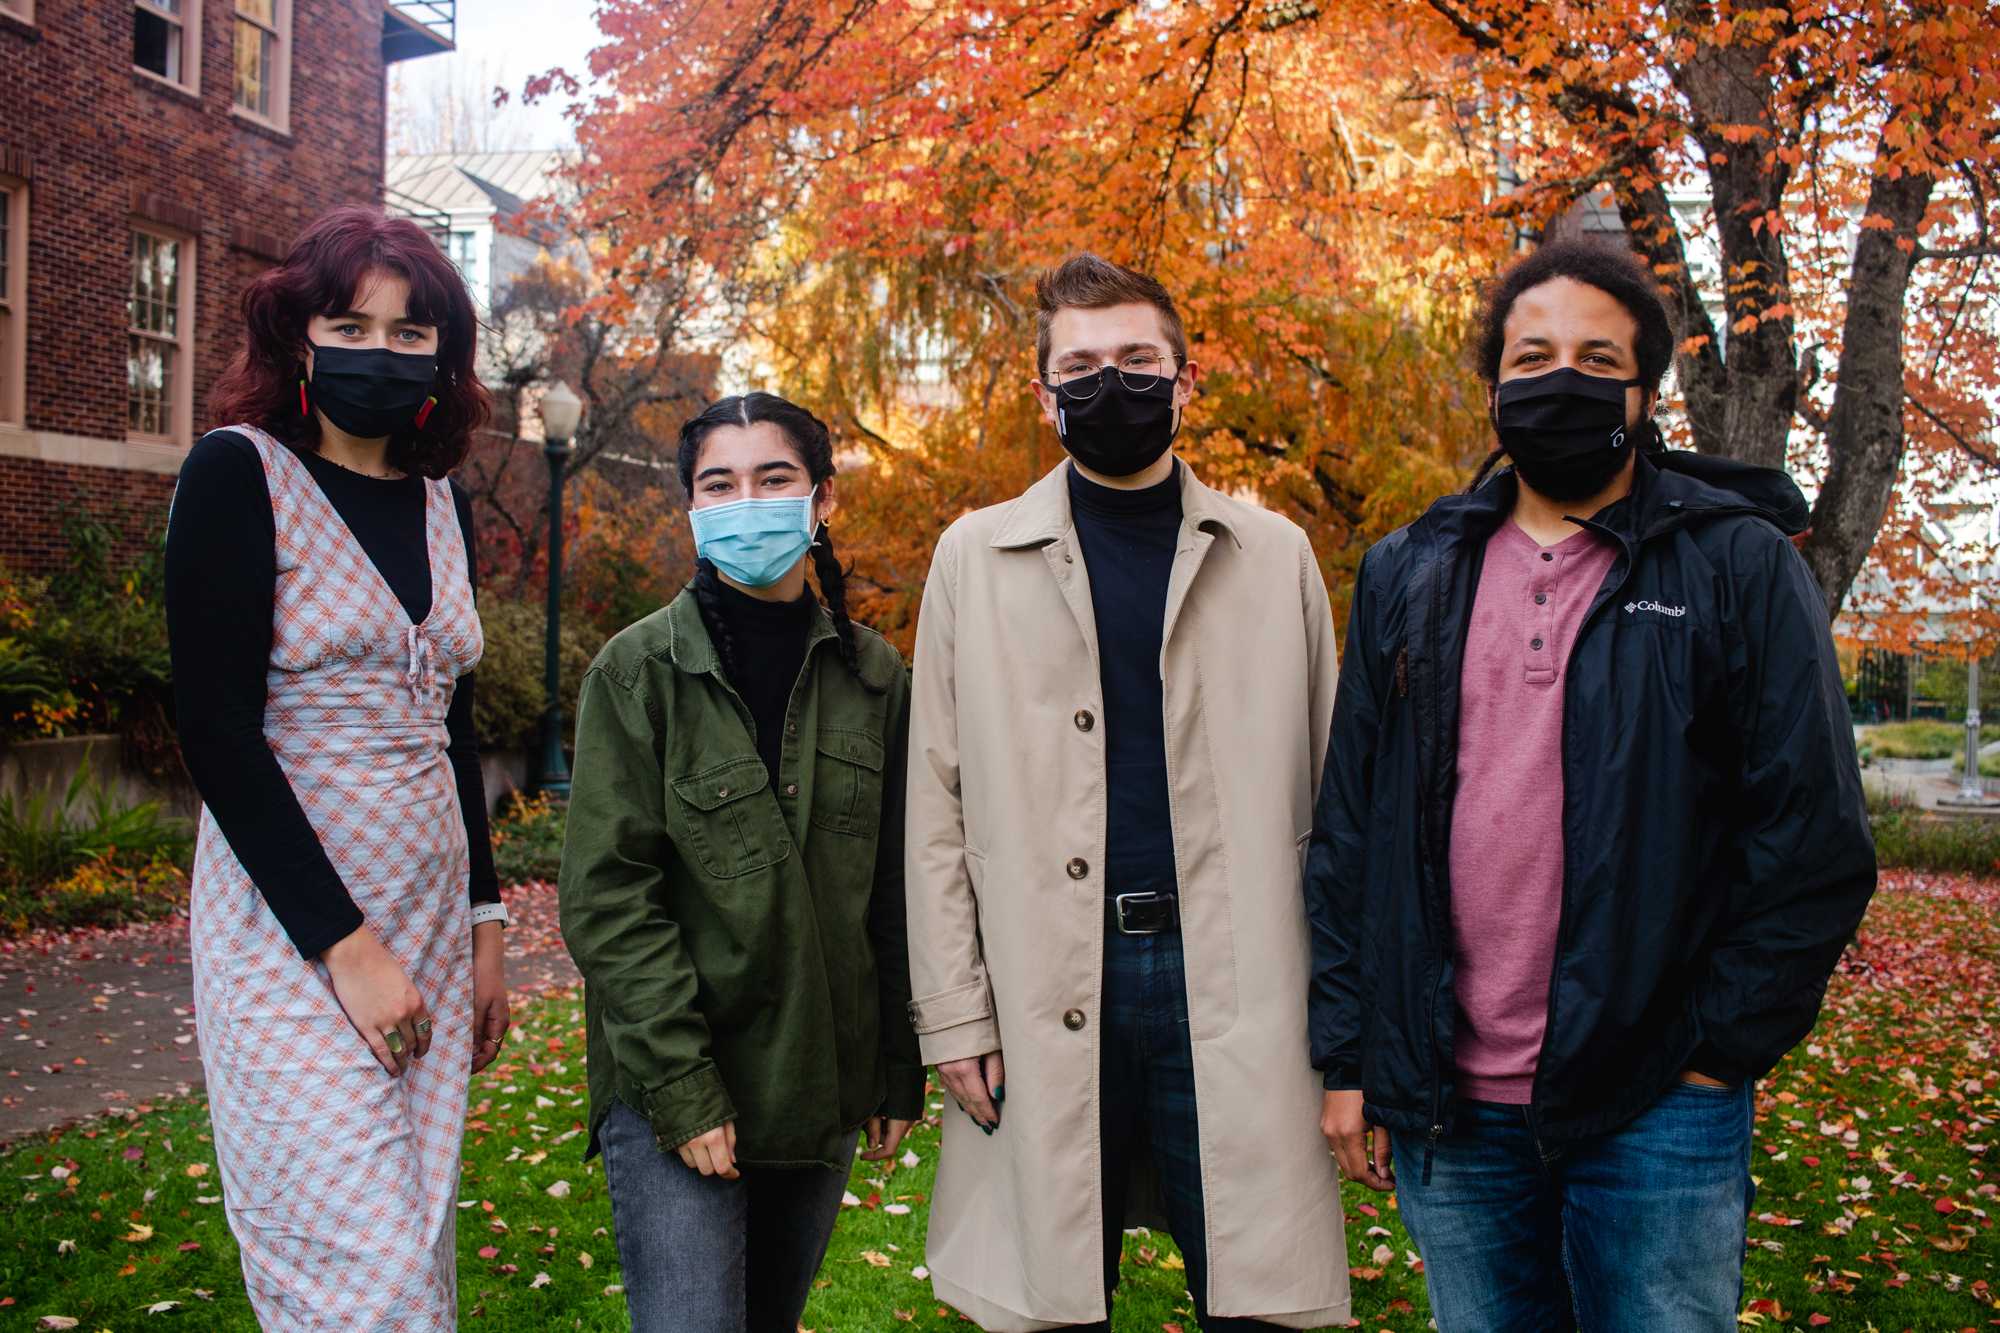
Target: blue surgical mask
[755,542]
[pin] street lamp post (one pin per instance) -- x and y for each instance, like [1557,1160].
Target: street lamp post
[560,410]
[1971,787]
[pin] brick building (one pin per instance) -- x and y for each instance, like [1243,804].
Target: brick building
[154,156]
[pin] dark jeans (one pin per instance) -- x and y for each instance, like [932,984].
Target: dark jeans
[707,1255]
[1641,1228]
[1146,1097]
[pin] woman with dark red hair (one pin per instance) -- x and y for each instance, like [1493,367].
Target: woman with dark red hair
[345,917]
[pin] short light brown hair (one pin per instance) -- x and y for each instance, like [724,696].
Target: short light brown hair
[1091,282]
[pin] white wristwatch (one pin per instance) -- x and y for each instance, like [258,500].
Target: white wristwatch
[484,912]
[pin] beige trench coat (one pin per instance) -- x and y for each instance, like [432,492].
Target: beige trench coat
[1006,833]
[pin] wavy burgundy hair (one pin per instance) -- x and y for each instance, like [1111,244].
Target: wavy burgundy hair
[322,275]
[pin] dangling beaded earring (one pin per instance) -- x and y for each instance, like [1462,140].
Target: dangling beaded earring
[424,412]
[304,409]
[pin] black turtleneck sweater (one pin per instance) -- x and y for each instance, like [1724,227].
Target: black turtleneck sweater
[1128,540]
[763,645]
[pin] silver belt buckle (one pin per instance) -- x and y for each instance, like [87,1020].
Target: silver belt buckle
[1121,900]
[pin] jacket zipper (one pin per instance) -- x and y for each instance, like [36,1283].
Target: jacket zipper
[1605,597]
[1441,904]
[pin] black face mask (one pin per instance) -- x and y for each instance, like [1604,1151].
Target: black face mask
[1117,431]
[372,392]
[1565,431]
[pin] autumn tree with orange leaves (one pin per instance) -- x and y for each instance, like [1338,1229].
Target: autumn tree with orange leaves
[859,192]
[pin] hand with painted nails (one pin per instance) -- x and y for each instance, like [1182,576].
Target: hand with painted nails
[979,1085]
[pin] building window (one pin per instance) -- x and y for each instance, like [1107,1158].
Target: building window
[158,312]
[166,40]
[263,62]
[462,248]
[13,297]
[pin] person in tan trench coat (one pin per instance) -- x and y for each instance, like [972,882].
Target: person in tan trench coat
[1008,806]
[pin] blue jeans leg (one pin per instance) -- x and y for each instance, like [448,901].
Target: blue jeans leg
[706,1255]
[1488,1223]
[1655,1215]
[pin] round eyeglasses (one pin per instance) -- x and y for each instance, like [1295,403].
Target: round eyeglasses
[1137,372]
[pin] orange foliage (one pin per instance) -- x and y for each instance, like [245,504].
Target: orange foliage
[860,192]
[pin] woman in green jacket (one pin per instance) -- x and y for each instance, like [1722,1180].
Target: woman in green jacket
[732,890]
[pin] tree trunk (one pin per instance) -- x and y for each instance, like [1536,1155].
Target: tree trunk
[1864,435]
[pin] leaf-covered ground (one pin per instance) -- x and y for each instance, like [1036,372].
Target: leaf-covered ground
[1873,1209]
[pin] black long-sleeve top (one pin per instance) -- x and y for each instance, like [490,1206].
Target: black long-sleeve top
[767,649]
[1128,540]
[221,580]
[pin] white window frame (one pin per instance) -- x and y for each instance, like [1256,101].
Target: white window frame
[189,22]
[180,390]
[278,78]
[14,300]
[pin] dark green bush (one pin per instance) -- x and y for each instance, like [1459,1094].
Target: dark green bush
[507,710]
[1907,837]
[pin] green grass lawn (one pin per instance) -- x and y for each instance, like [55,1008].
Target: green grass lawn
[1873,1209]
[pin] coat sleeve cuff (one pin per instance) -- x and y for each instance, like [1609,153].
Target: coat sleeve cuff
[956,1024]
[689,1107]
[1340,1079]
[905,1097]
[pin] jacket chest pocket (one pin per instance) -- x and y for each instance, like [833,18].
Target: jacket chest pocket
[847,784]
[733,827]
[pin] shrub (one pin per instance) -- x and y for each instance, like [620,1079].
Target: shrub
[44,840]
[528,839]
[507,710]
[1907,837]
[106,891]
[1920,740]
[92,640]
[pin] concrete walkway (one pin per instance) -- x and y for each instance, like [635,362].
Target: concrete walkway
[103,1021]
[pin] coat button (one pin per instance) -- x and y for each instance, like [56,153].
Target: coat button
[722,793]
[1073,1020]
[1078,867]
[791,728]
[1536,644]
[791,789]
[1084,721]
[1541,599]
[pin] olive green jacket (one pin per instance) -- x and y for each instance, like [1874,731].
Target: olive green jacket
[742,943]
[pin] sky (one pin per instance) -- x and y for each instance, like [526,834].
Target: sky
[439,102]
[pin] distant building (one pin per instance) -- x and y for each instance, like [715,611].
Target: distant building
[155,155]
[468,198]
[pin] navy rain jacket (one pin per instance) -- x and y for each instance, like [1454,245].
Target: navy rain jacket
[1717,855]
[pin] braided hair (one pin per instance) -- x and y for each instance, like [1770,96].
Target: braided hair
[809,436]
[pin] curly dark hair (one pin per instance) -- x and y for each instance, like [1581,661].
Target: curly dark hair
[322,275]
[810,438]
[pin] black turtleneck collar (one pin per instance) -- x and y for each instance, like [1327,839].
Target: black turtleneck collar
[1114,505]
[755,613]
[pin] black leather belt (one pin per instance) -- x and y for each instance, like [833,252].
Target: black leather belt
[1143,913]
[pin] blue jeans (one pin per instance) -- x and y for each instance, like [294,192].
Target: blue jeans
[705,1255]
[1147,1104]
[1641,1228]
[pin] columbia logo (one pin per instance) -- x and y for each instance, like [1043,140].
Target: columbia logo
[1632,608]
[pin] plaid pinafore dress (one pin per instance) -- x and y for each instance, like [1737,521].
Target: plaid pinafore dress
[340,1181]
